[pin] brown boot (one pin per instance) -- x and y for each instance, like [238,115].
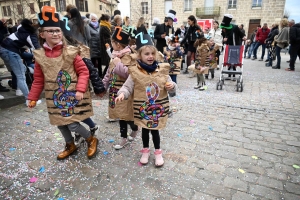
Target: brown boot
[69,149]
[92,146]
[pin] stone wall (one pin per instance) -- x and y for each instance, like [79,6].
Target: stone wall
[270,12]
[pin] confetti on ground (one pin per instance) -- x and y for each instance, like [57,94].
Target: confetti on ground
[179,135]
[210,128]
[105,153]
[192,121]
[33,180]
[59,138]
[56,192]
[39,131]
[42,169]
[242,171]
[205,87]
[140,164]
[197,140]
[12,149]
[296,166]
[56,134]
[110,141]
[254,157]
[41,110]
[27,123]
[60,198]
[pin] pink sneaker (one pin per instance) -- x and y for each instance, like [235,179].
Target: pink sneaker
[159,161]
[145,156]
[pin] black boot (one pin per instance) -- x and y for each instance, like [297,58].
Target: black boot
[212,75]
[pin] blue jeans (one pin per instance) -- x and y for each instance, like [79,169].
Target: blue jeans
[14,61]
[251,49]
[89,122]
[277,51]
[255,50]
[174,78]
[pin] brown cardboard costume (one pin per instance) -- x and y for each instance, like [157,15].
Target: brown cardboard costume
[60,88]
[150,98]
[124,109]
[202,58]
[174,60]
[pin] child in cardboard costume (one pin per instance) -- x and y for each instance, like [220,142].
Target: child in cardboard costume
[214,54]
[150,83]
[60,71]
[115,77]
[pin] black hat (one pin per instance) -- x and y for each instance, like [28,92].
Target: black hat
[171,14]
[120,36]
[142,40]
[226,21]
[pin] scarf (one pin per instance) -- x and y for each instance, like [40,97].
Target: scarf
[95,24]
[105,23]
[148,68]
[121,53]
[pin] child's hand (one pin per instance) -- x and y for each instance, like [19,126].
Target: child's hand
[107,46]
[116,60]
[31,104]
[79,96]
[120,98]
[169,85]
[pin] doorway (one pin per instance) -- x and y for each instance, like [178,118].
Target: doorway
[253,23]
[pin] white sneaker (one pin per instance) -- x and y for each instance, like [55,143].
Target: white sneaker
[111,120]
[1,97]
[197,86]
[19,92]
[132,135]
[122,144]
[38,102]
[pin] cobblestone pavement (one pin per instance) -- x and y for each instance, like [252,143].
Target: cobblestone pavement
[217,145]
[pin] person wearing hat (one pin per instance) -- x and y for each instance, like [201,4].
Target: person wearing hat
[64,76]
[114,79]
[163,30]
[151,83]
[232,35]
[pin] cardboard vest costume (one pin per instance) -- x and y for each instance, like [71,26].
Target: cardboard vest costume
[202,58]
[60,88]
[150,98]
[174,60]
[122,110]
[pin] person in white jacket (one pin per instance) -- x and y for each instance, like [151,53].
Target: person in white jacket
[216,34]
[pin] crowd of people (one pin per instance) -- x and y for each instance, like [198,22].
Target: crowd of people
[141,68]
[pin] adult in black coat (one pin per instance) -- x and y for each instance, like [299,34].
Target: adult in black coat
[140,27]
[190,37]
[161,31]
[295,45]
[274,31]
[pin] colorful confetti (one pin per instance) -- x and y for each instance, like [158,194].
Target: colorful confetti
[42,169]
[110,141]
[105,153]
[296,166]
[254,157]
[39,131]
[242,171]
[12,149]
[33,180]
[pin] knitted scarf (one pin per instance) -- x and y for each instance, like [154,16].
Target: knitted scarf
[105,23]
[121,53]
[148,68]
[95,24]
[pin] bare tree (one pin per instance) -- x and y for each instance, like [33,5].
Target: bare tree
[286,13]
[138,11]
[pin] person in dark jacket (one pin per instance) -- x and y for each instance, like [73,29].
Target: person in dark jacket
[116,22]
[116,12]
[3,34]
[94,43]
[140,27]
[163,30]
[295,45]
[274,31]
[232,35]
[190,37]
[261,36]
[10,52]
[105,38]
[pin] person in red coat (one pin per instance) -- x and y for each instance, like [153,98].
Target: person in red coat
[62,73]
[261,36]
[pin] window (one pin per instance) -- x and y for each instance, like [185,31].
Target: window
[45,3]
[80,5]
[8,10]
[86,8]
[20,9]
[144,8]
[31,6]
[4,10]
[168,6]
[256,3]
[187,5]
[60,5]
[100,7]
[232,4]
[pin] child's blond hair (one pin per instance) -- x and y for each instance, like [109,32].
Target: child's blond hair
[139,51]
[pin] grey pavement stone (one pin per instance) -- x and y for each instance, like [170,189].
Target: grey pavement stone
[236,184]
[290,196]
[264,192]
[272,183]
[5,182]
[293,143]
[292,188]
[242,195]
[276,175]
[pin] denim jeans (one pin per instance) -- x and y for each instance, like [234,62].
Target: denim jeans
[251,49]
[255,50]
[277,51]
[89,122]
[174,78]
[14,61]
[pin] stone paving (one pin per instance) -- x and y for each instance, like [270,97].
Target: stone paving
[217,145]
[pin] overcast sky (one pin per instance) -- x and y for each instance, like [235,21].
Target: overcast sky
[292,6]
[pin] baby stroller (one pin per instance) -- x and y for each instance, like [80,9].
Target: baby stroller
[233,57]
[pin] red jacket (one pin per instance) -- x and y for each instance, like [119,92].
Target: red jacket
[38,83]
[262,35]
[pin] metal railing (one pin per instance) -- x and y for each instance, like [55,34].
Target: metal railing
[208,11]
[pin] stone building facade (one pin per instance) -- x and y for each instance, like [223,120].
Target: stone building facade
[19,9]
[247,12]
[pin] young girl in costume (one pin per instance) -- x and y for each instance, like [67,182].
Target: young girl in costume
[202,61]
[115,77]
[173,55]
[214,54]
[60,71]
[151,83]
